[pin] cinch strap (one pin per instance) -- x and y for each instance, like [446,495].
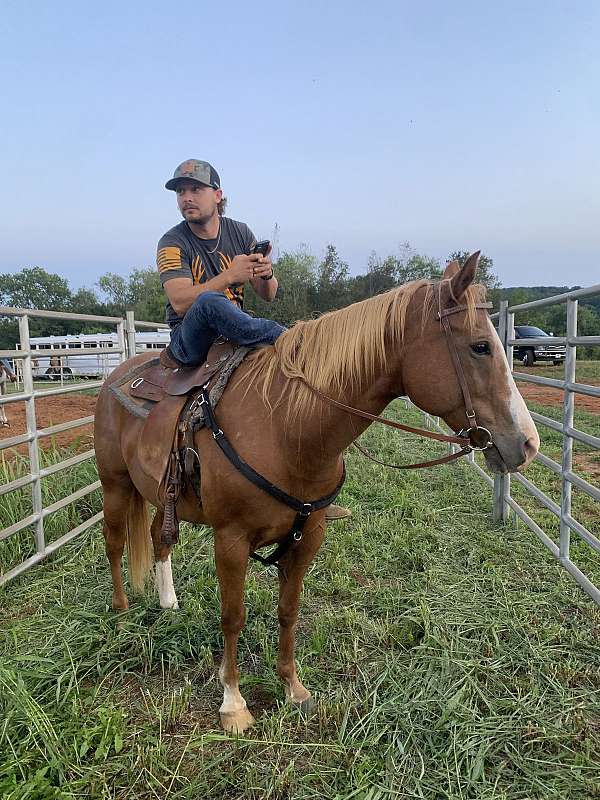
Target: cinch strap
[303,510]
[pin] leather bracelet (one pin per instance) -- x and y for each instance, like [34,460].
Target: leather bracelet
[266,277]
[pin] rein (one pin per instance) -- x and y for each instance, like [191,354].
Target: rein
[468,439]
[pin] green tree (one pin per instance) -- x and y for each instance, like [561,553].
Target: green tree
[333,281]
[140,291]
[33,287]
[296,295]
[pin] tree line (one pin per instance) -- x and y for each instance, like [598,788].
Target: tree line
[308,287]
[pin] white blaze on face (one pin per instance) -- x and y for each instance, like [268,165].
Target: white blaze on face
[518,410]
[164,584]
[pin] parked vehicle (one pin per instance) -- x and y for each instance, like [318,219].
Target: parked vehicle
[538,352]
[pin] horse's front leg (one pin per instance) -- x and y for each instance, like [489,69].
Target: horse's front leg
[231,557]
[291,573]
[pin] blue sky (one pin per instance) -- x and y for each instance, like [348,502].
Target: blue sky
[449,125]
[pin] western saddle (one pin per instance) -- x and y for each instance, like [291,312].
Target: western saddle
[169,404]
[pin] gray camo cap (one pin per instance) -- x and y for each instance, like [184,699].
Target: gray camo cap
[194,170]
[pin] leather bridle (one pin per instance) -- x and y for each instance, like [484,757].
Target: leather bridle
[473,437]
[465,437]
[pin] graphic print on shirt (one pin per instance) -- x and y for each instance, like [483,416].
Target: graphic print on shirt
[168,258]
[198,270]
[235,292]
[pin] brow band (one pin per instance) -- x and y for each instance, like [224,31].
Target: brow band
[456,309]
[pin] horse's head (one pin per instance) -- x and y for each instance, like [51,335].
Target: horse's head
[430,377]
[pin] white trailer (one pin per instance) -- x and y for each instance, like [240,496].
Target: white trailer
[64,366]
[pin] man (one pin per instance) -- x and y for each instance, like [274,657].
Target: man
[204,264]
[5,372]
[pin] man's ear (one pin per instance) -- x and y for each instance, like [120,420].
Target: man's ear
[461,280]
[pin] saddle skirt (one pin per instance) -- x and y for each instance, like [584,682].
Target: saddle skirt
[164,399]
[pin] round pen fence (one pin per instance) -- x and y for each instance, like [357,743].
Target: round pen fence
[126,344]
[23,357]
[503,501]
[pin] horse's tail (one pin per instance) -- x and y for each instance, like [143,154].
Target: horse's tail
[140,555]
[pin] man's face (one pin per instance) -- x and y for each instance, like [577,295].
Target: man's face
[197,203]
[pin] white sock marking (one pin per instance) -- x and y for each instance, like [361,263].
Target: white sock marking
[164,584]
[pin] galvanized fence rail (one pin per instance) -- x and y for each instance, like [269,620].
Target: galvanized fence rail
[504,502]
[125,330]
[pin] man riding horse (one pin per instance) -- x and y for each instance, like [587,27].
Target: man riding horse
[204,264]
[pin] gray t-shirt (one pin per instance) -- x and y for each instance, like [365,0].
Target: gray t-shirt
[182,254]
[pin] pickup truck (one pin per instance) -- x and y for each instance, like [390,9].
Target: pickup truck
[529,355]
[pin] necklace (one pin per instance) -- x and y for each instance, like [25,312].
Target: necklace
[210,252]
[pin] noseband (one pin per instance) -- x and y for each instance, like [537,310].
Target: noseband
[473,437]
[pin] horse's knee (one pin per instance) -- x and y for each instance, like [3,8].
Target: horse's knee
[113,546]
[287,617]
[232,621]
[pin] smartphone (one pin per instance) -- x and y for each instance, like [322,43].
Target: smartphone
[262,247]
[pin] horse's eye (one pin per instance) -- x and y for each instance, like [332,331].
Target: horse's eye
[481,348]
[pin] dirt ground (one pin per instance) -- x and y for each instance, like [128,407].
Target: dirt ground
[548,396]
[53,411]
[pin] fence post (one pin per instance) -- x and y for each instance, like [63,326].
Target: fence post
[567,448]
[34,452]
[501,482]
[130,326]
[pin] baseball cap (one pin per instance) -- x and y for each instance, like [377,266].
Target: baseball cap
[194,170]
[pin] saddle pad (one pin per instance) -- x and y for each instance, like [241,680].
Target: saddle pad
[157,437]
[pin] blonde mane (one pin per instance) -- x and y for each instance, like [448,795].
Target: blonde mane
[343,347]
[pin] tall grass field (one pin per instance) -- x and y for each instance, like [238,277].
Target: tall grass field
[451,657]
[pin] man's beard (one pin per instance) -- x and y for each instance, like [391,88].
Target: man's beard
[196,217]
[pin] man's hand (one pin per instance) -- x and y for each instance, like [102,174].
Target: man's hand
[244,268]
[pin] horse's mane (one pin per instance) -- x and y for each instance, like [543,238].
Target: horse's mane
[345,346]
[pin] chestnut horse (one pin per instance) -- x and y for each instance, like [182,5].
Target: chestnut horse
[364,355]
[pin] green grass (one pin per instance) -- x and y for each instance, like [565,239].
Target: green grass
[17,505]
[451,658]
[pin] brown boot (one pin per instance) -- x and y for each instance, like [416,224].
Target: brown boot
[334,512]
[168,360]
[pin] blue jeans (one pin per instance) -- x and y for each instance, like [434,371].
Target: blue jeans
[213,315]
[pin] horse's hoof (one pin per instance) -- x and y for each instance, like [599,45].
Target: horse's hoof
[236,722]
[307,707]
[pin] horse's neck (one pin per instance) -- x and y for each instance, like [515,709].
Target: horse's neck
[320,437]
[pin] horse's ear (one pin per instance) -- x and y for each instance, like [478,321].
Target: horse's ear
[452,267]
[461,280]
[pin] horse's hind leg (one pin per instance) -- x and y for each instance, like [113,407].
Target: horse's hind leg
[117,497]
[293,566]
[162,558]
